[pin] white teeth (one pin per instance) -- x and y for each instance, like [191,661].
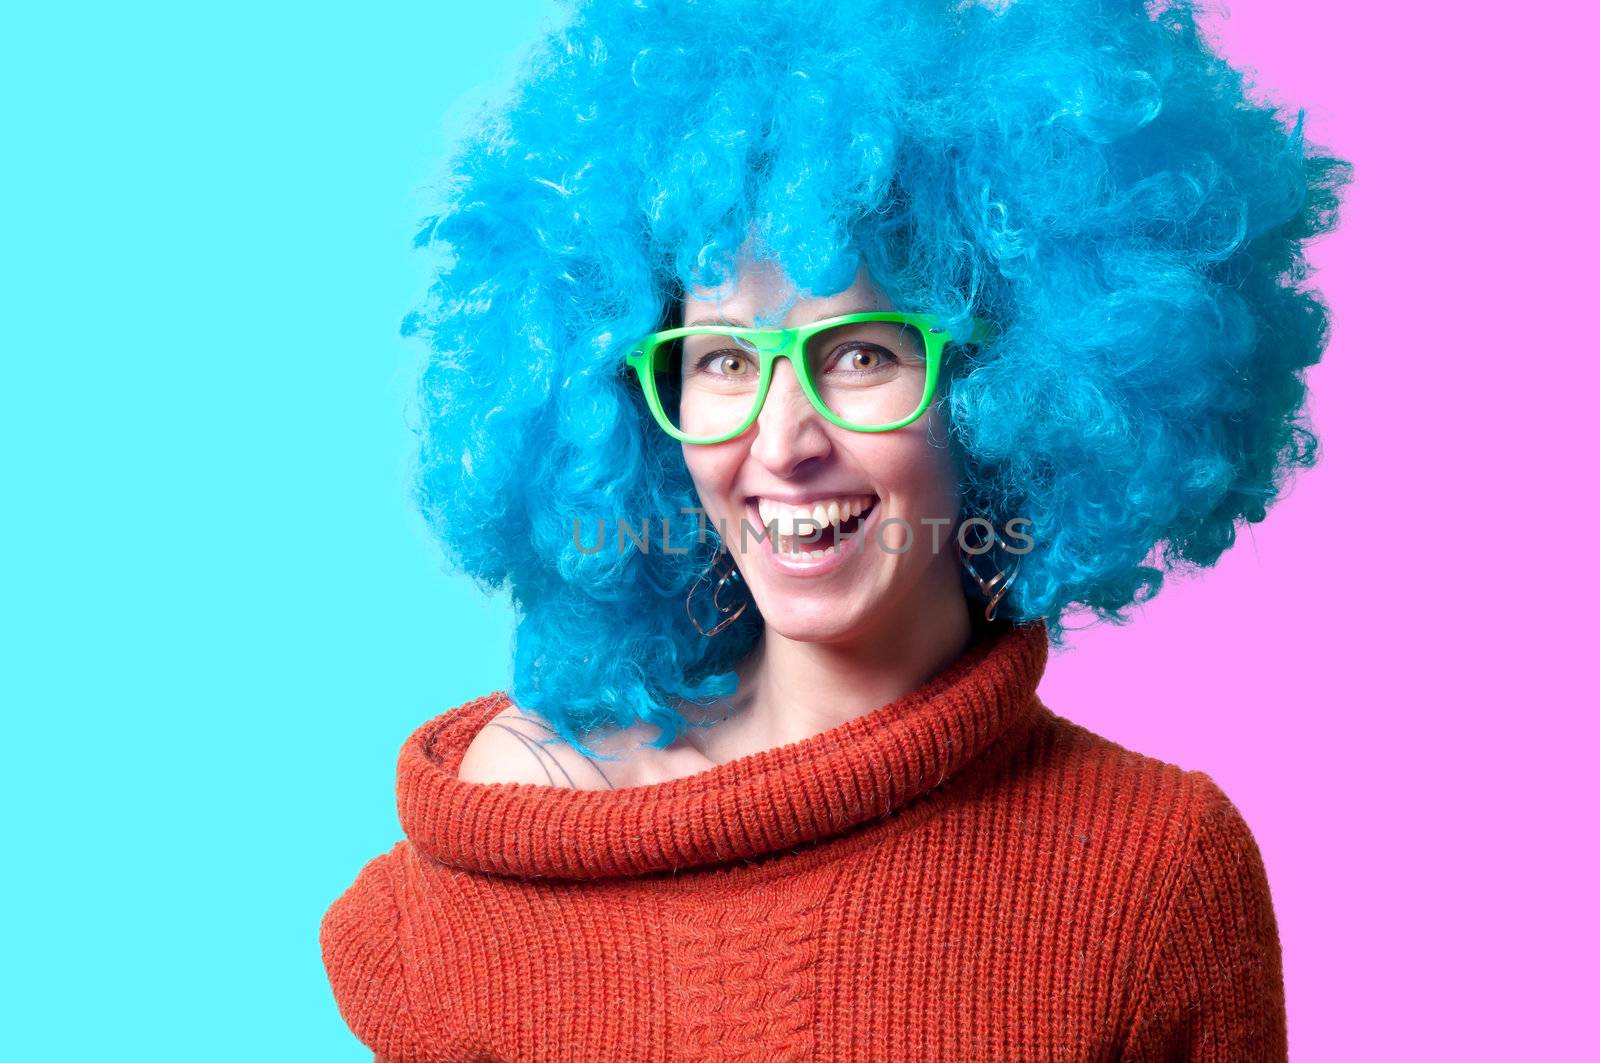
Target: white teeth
[809,557]
[791,521]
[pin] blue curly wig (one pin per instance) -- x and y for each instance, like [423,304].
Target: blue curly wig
[1087,174]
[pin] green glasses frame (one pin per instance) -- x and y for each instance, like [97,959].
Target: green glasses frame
[790,343]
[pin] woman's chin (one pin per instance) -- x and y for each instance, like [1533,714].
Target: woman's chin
[816,618]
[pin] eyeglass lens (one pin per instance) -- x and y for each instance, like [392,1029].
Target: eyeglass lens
[870,373]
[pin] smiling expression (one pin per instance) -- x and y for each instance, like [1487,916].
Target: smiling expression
[809,479]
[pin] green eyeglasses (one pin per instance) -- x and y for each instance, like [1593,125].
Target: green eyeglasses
[869,372]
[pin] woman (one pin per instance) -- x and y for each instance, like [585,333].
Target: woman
[798,367]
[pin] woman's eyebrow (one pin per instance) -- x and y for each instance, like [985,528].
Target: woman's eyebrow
[730,323]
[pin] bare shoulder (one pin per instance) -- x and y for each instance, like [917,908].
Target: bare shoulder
[515,748]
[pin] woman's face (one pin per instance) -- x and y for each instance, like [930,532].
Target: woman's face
[792,460]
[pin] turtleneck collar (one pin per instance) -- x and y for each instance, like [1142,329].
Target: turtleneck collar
[777,799]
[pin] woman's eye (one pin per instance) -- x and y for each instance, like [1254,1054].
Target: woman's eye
[862,358]
[725,363]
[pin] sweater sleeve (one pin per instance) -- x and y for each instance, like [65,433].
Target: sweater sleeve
[1213,986]
[361,953]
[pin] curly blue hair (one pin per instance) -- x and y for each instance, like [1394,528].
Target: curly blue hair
[1087,174]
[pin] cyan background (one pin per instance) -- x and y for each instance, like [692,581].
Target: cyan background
[222,618]
[232,617]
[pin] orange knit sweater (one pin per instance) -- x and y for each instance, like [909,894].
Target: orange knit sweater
[958,875]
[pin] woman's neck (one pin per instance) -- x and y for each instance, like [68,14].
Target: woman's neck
[791,690]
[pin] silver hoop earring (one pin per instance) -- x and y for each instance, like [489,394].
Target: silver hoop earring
[994,587]
[723,572]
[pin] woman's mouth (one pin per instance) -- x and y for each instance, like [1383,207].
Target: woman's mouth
[810,533]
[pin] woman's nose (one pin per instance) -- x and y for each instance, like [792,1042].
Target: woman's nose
[789,430]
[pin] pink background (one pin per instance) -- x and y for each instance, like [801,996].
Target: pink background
[1392,675]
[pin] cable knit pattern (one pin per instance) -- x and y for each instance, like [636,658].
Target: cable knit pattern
[957,875]
[742,980]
